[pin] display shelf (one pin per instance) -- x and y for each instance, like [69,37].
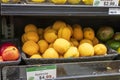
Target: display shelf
[54,10]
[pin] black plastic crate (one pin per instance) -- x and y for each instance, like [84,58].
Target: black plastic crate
[96,70]
[112,54]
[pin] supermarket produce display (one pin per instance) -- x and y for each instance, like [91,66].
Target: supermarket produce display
[62,42]
[69,34]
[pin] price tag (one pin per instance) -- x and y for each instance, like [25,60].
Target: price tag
[114,11]
[105,2]
[41,72]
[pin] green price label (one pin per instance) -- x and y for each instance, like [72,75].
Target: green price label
[41,72]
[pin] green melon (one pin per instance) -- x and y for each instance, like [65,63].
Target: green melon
[113,44]
[105,33]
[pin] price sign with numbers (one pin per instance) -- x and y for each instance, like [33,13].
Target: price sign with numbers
[114,11]
[41,72]
[105,2]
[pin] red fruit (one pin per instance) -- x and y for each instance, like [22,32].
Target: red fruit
[1,59]
[11,53]
[4,46]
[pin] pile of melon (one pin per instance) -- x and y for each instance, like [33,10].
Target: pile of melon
[61,40]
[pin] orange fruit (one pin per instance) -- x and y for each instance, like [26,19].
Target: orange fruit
[50,35]
[30,27]
[88,33]
[58,24]
[77,32]
[100,49]
[95,41]
[32,36]
[30,47]
[43,45]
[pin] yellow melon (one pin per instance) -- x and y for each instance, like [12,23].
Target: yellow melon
[72,52]
[100,49]
[59,1]
[74,1]
[86,41]
[38,1]
[35,56]
[86,49]
[50,53]
[61,45]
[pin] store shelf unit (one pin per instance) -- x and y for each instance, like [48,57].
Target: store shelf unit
[21,10]
[54,10]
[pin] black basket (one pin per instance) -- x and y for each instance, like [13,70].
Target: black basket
[110,56]
[96,70]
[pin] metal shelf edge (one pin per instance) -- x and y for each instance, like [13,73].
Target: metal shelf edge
[53,10]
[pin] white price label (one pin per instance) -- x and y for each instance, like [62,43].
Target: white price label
[105,2]
[41,72]
[114,11]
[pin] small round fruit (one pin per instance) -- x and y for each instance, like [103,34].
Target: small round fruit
[30,47]
[43,45]
[100,49]
[11,53]
[74,1]
[50,53]
[58,24]
[86,41]
[32,35]
[5,1]
[61,45]
[30,27]
[95,41]
[72,52]
[88,33]
[86,49]
[59,1]
[38,1]
[88,2]
[50,36]
[3,46]
[36,56]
